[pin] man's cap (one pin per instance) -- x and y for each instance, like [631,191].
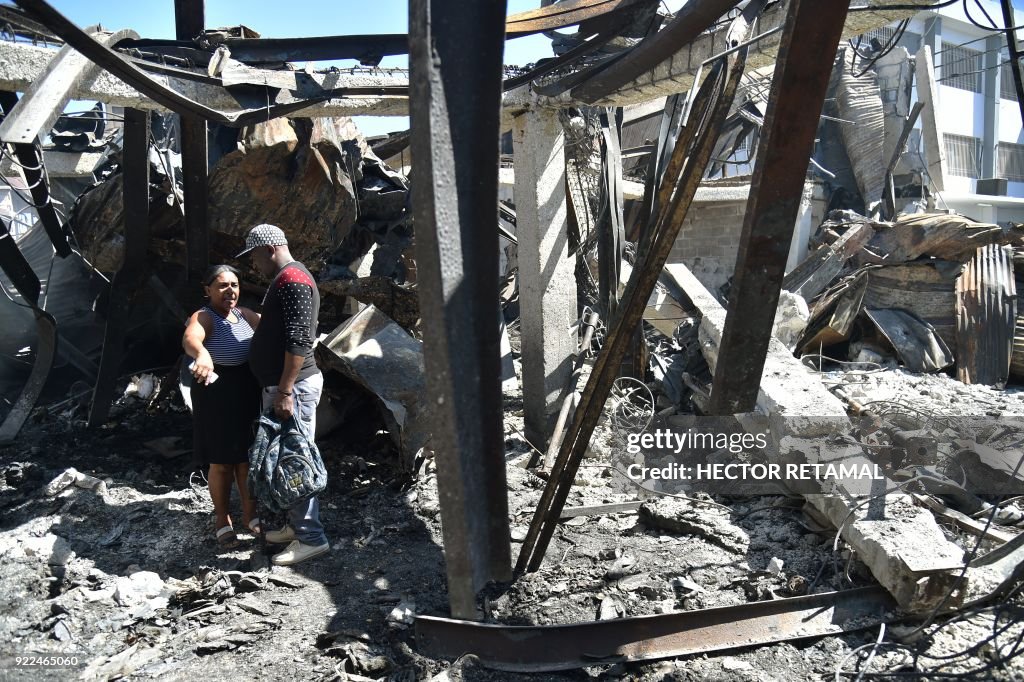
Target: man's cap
[263,235]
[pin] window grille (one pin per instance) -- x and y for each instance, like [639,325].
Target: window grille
[1010,161]
[963,155]
[961,67]
[1007,90]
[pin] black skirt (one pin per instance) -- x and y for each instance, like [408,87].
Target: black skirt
[224,416]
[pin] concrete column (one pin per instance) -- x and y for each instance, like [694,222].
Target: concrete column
[934,150]
[990,92]
[802,229]
[547,281]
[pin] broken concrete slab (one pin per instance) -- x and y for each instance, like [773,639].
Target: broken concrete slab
[22,63]
[899,542]
[690,518]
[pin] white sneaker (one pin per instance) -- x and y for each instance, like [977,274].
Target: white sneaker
[281,536]
[299,551]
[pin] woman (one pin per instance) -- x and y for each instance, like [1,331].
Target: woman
[225,395]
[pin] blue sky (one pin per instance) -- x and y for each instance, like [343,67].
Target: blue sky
[277,19]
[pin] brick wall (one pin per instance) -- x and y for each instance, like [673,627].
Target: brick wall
[709,239]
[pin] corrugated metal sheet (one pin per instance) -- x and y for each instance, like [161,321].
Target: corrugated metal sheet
[1017,357]
[986,312]
[925,289]
[860,100]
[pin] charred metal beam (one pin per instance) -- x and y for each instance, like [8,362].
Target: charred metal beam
[189,22]
[369,49]
[694,17]
[546,66]
[26,283]
[30,158]
[610,232]
[132,275]
[23,25]
[44,101]
[683,174]
[541,648]
[565,14]
[455,112]
[890,190]
[366,48]
[787,140]
[123,68]
[189,19]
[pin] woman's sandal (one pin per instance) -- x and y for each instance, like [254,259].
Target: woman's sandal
[226,538]
[254,526]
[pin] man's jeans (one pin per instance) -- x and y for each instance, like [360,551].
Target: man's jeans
[304,517]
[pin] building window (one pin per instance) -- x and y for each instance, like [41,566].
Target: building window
[1007,90]
[1010,161]
[963,155]
[961,67]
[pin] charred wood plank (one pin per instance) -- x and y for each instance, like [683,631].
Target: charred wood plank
[132,275]
[456,53]
[791,122]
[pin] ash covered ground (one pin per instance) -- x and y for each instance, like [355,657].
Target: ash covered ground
[125,575]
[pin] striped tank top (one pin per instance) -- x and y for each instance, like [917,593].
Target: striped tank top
[228,343]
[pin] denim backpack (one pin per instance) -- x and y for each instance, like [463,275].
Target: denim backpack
[285,467]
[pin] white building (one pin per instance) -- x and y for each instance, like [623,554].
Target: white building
[978,117]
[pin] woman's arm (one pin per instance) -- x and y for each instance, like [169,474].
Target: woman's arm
[196,329]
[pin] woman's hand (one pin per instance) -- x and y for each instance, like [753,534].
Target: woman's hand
[203,367]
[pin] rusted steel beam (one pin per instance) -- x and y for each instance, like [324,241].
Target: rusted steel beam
[644,638]
[986,313]
[26,283]
[456,51]
[812,29]
[132,275]
[564,14]
[694,17]
[30,159]
[131,74]
[40,105]
[683,175]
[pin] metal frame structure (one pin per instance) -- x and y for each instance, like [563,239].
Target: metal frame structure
[455,103]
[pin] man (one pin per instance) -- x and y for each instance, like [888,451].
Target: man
[281,357]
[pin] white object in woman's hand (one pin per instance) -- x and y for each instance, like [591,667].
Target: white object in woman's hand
[210,377]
